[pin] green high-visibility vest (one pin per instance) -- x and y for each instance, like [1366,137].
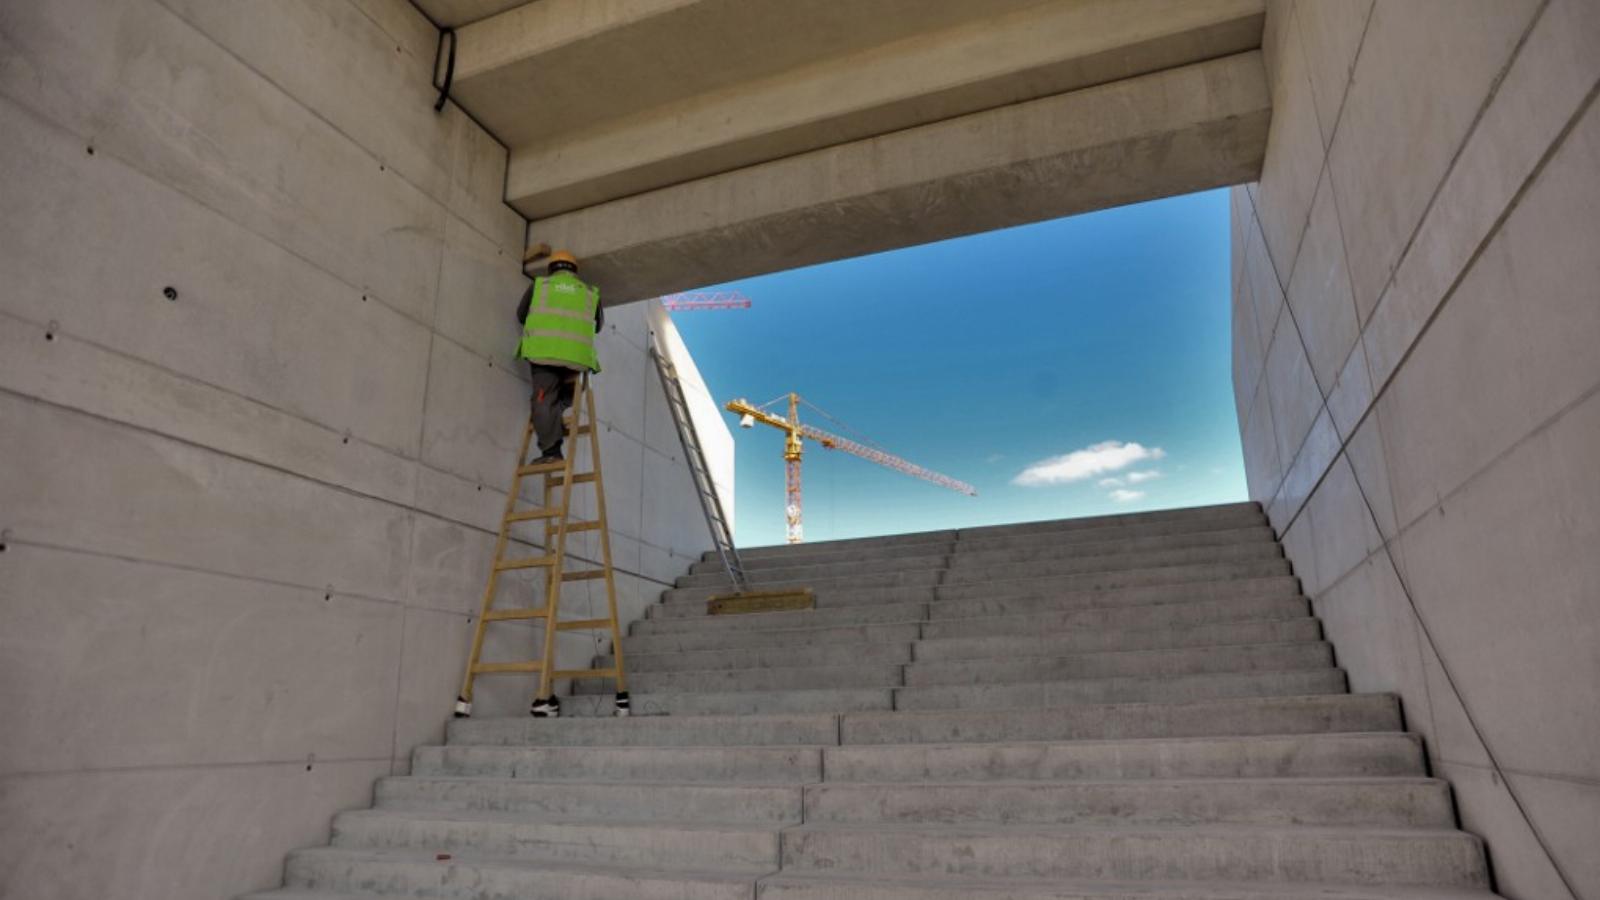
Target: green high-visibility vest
[559,330]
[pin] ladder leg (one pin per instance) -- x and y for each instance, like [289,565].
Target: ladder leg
[559,551]
[623,705]
[464,700]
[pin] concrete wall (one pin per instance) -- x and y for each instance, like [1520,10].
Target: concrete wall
[245,530]
[1417,311]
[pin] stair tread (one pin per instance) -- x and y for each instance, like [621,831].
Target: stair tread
[963,886]
[736,874]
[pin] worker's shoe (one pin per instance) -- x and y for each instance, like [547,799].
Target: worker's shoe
[546,709]
[463,708]
[623,708]
[552,455]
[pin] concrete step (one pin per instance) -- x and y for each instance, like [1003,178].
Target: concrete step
[647,731]
[1008,598]
[1234,852]
[1045,566]
[799,678]
[1024,549]
[716,765]
[858,886]
[811,554]
[833,654]
[999,564]
[692,847]
[1316,714]
[1124,618]
[419,874]
[788,701]
[845,544]
[1266,631]
[1132,689]
[817,568]
[1109,534]
[678,607]
[1186,661]
[1206,573]
[766,805]
[1058,576]
[1265,756]
[1376,802]
[852,616]
[1246,511]
[687,642]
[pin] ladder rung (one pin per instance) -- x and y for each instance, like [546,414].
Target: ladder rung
[576,624]
[526,562]
[507,667]
[582,526]
[583,576]
[502,615]
[538,512]
[541,468]
[584,673]
[576,479]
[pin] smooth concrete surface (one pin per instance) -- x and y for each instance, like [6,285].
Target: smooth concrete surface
[1085,760]
[679,143]
[245,530]
[1171,132]
[1415,317]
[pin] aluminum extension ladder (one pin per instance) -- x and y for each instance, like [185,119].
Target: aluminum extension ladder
[556,515]
[710,503]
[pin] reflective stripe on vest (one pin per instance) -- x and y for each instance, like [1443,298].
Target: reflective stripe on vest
[559,329]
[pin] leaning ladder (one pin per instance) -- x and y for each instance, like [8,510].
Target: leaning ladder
[710,502]
[556,515]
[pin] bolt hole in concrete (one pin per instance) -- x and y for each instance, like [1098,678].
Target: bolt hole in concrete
[89,150]
[170,292]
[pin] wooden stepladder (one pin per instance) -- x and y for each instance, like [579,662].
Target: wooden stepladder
[555,514]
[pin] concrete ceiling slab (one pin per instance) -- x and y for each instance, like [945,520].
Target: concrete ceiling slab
[1172,132]
[1034,52]
[455,13]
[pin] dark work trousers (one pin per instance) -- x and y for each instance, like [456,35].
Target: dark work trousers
[553,388]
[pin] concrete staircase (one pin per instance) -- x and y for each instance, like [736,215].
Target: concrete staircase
[1120,707]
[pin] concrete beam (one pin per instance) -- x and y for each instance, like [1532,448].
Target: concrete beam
[1180,130]
[545,69]
[1030,53]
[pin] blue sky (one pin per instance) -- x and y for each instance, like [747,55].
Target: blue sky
[1069,368]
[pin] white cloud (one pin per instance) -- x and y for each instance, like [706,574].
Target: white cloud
[1125,496]
[1099,459]
[1147,475]
[1110,483]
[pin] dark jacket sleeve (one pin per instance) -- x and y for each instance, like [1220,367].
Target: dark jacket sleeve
[522,308]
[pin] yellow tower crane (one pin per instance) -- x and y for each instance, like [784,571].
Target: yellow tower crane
[793,447]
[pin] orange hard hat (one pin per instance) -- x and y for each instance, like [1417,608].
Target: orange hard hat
[563,256]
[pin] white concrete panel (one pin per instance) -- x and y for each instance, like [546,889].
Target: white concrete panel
[1516,342]
[627,377]
[141,85]
[479,288]
[1319,291]
[1316,453]
[1296,402]
[76,374]
[1375,639]
[1351,394]
[1266,291]
[340,64]
[138,495]
[1262,466]
[1330,36]
[248,316]
[475,416]
[157,834]
[1540,94]
[117,664]
[1342,528]
[1567,812]
[1486,806]
[1294,156]
[1423,74]
[1512,609]
[1365,452]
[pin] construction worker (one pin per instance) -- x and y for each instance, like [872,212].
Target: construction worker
[560,316]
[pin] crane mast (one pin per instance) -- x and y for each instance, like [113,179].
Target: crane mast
[697,300]
[793,447]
